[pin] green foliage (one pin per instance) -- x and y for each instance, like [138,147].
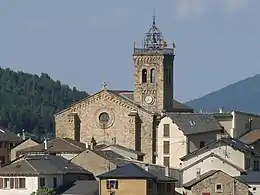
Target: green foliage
[29,102]
[44,191]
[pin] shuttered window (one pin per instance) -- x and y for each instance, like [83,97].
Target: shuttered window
[166,130]
[1,183]
[166,161]
[166,147]
[21,184]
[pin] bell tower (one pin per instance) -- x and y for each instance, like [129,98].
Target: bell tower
[153,72]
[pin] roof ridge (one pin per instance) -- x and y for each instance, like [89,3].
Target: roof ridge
[64,139]
[31,166]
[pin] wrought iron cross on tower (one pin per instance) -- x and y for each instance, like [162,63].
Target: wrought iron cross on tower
[104,85]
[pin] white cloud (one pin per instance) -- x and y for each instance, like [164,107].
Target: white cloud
[186,9]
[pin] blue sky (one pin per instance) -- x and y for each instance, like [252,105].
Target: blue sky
[84,42]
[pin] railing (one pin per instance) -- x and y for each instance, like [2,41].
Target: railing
[164,51]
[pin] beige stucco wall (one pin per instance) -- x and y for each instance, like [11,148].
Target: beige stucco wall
[26,144]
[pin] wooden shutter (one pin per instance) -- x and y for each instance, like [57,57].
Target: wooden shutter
[1,183]
[12,183]
[166,130]
[22,183]
[166,147]
[116,184]
[16,183]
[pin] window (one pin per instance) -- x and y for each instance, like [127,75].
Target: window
[166,161]
[21,183]
[166,130]
[205,193]
[202,144]
[42,182]
[104,118]
[218,188]
[112,184]
[248,163]
[7,183]
[166,147]
[54,182]
[149,184]
[144,76]
[256,165]
[152,76]
[254,188]
[169,187]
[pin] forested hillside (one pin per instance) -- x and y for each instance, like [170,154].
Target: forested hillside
[29,102]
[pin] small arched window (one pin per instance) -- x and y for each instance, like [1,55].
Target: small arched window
[152,76]
[144,76]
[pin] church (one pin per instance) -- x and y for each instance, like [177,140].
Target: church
[123,117]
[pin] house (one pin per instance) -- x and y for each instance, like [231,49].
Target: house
[8,139]
[29,142]
[82,187]
[226,154]
[252,138]
[237,123]
[182,133]
[25,175]
[131,179]
[123,151]
[215,182]
[65,147]
[253,180]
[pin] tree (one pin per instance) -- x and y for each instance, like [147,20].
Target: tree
[44,191]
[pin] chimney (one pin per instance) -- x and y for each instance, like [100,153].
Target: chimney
[114,141]
[221,110]
[45,142]
[23,135]
[91,146]
[198,174]
[167,171]
[86,145]
[146,167]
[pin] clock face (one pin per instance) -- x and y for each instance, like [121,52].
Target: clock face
[148,99]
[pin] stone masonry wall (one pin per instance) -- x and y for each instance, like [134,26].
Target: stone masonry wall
[208,185]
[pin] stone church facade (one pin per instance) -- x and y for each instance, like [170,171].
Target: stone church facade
[128,118]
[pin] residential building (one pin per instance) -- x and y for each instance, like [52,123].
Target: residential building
[25,175]
[130,116]
[29,142]
[215,182]
[252,138]
[82,187]
[253,180]
[8,140]
[237,123]
[226,154]
[131,179]
[65,147]
[179,134]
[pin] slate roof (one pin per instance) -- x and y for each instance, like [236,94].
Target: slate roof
[251,137]
[252,177]
[236,143]
[193,123]
[7,135]
[178,106]
[112,157]
[81,187]
[132,171]
[125,149]
[41,164]
[58,145]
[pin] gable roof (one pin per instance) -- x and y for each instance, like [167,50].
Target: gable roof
[250,178]
[251,136]
[23,141]
[204,176]
[41,164]
[193,123]
[57,145]
[230,141]
[123,148]
[7,135]
[133,171]
[177,106]
[216,156]
[80,187]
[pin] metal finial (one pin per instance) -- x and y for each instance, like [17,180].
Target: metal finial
[104,85]
[153,16]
